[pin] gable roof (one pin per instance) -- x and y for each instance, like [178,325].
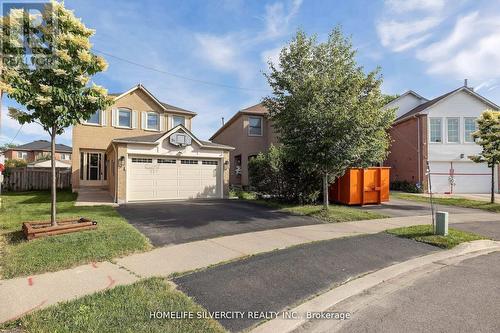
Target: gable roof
[424,106]
[42,145]
[153,139]
[409,92]
[257,109]
[164,106]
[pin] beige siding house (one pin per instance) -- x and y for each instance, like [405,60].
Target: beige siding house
[143,149]
[250,132]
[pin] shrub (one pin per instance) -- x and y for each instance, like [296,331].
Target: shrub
[274,174]
[405,186]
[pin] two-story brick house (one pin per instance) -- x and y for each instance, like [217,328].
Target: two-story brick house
[250,132]
[143,149]
[36,150]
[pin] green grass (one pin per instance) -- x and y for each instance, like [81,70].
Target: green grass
[459,202]
[424,234]
[121,309]
[335,213]
[113,236]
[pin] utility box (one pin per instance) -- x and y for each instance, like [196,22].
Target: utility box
[361,186]
[442,223]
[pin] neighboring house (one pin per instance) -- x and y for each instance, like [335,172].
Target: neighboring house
[439,131]
[250,132]
[143,149]
[47,164]
[38,150]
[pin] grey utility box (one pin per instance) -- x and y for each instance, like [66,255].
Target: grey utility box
[442,223]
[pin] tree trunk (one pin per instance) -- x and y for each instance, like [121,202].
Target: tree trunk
[54,180]
[493,183]
[325,191]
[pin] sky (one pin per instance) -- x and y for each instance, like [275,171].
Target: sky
[209,56]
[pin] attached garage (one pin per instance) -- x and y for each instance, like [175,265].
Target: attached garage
[173,165]
[167,178]
[460,177]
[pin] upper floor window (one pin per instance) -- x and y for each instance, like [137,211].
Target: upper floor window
[152,121]
[435,130]
[95,119]
[469,128]
[453,127]
[178,120]
[124,118]
[255,126]
[22,155]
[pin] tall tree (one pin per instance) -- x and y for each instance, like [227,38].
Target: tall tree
[50,75]
[326,111]
[488,137]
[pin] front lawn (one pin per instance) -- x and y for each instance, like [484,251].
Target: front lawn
[113,236]
[121,309]
[424,234]
[336,213]
[459,202]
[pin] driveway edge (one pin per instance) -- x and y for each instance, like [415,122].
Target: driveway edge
[328,299]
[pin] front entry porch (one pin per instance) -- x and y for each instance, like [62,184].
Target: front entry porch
[94,196]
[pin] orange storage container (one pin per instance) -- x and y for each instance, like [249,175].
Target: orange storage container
[361,186]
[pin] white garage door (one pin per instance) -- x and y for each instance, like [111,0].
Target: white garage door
[469,177]
[151,178]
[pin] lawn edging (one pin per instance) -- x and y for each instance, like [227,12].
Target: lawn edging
[457,202]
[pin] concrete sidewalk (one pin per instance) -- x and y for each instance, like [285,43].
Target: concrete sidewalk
[21,295]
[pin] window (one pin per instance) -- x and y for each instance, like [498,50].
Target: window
[95,119]
[166,161]
[178,120]
[152,121]
[124,118]
[209,162]
[469,128]
[435,130]
[22,155]
[65,157]
[453,125]
[255,126]
[189,162]
[141,160]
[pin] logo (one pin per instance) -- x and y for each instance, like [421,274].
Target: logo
[28,33]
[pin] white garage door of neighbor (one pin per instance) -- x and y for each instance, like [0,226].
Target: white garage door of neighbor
[152,178]
[469,177]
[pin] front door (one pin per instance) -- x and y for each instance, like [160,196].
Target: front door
[93,167]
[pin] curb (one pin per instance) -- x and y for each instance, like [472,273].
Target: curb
[327,300]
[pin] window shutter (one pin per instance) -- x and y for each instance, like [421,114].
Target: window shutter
[144,119]
[113,117]
[103,118]
[134,119]
[163,117]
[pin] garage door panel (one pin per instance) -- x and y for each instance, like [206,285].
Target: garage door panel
[156,181]
[469,177]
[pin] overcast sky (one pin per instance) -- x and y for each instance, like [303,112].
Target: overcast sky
[429,46]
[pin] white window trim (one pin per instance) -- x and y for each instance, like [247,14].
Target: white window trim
[261,126]
[458,129]
[24,154]
[118,118]
[145,119]
[463,128]
[172,120]
[99,123]
[442,131]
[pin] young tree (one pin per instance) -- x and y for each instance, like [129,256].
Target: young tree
[50,75]
[488,137]
[326,111]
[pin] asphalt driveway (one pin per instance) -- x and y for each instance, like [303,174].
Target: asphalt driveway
[178,222]
[275,280]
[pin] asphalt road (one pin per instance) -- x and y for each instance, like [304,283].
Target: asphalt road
[490,229]
[178,222]
[461,298]
[275,280]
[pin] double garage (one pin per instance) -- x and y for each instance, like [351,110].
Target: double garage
[460,177]
[168,178]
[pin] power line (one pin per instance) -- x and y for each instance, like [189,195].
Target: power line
[15,136]
[221,85]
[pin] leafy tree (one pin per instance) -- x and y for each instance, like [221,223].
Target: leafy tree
[7,146]
[488,137]
[389,98]
[326,111]
[56,93]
